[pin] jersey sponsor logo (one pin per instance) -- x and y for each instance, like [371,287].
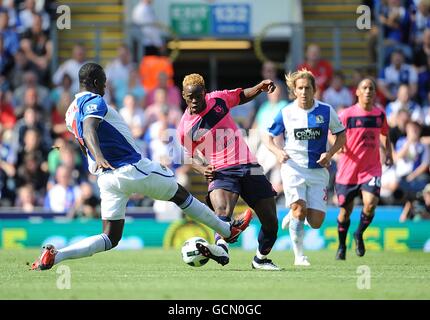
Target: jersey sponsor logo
[365,122]
[91,108]
[308,133]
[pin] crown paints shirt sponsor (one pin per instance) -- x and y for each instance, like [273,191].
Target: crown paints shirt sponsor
[306,131]
[116,141]
[214,133]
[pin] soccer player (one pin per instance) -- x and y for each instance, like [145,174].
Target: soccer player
[359,167]
[305,157]
[218,151]
[113,155]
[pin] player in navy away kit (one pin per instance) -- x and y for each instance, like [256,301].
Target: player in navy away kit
[359,166]
[114,157]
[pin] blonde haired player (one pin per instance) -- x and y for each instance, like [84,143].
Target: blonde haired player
[305,156]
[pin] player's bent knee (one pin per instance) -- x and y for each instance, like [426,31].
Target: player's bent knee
[369,208]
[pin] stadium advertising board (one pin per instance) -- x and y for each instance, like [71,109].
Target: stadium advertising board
[224,18]
[385,233]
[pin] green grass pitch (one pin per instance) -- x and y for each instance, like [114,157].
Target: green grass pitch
[161,275]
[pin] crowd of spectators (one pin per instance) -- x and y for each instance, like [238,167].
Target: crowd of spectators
[41,166]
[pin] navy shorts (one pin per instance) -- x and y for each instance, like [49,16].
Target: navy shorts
[347,192]
[247,180]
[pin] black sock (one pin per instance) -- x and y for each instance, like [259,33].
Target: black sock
[342,230]
[266,241]
[364,223]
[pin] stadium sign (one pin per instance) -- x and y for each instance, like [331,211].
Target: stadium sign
[218,20]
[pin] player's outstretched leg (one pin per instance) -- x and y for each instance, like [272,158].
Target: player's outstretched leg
[202,213]
[84,248]
[50,256]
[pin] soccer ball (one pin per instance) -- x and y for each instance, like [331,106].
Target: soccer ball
[190,253]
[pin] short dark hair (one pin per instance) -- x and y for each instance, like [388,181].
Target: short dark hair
[89,72]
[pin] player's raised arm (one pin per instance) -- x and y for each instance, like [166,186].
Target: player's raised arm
[250,93]
[92,142]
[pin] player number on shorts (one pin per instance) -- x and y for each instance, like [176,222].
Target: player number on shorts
[375,181]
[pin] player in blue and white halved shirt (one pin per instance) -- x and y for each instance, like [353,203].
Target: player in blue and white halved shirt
[114,157]
[305,125]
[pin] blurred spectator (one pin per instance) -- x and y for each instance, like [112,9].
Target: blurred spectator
[32,171]
[62,196]
[9,6]
[7,115]
[27,199]
[422,52]
[132,85]
[396,22]
[19,68]
[71,67]
[398,128]
[173,92]
[6,60]
[65,87]
[419,209]
[26,16]
[30,101]
[160,106]
[269,71]
[38,49]
[58,125]
[338,95]
[41,92]
[412,159]
[118,73]
[151,66]
[424,84]
[30,121]
[10,37]
[134,116]
[420,21]
[144,16]
[403,101]
[87,205]
[65,154]
[320,68]
[397,73]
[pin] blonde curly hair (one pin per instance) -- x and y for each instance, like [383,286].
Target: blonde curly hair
[193,79]
[292,77]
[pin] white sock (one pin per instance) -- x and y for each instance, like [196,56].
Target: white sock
[260,256]
[222,244]
[198,211]
[297,234]
[84,248]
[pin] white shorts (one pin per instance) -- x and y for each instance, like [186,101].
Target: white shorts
[305,184]
[144,177]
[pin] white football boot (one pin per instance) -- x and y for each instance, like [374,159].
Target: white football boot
[302,261]
[214,252]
